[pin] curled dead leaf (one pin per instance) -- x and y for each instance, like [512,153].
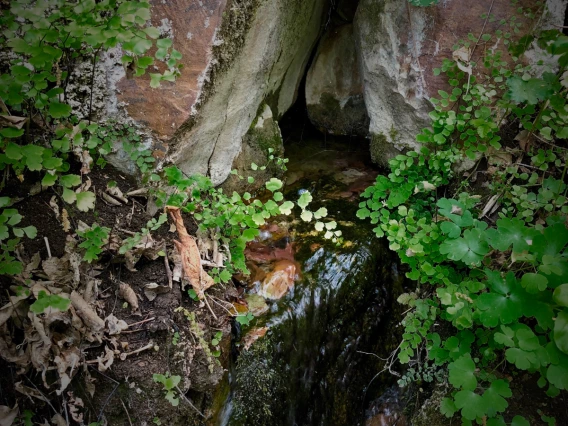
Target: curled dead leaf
[8,415]
[151,290]
[190,257]
[110,200]
[106,360]
[126,293]
[29,392]
[252,336]
[115,325]
[65,220]
[87,314]
[117,193]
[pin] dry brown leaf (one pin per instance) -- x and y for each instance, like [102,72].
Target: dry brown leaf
[54,206]
[126,292]
[105,361]
[110,200]
[10,351]
[151,290]
[89,381]
[29,392]
[58,420]
[67,363]
[117,193]
[115,325]
[253,335]
[33,265]
[65,220]
[57,270]
[76,406]
[12,121]
[190,257]
[87,314]
[8,415]
[525,139]
[147,247]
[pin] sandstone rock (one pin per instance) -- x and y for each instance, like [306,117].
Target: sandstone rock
[235,57]
[268,65]
[398,47]
[256,304]
[279,281]
[334,92]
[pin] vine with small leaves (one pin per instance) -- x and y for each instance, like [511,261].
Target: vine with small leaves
[499,285]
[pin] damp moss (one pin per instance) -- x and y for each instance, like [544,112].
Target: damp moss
[259,390]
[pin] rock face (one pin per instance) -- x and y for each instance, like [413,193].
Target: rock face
[263,134]
[237,54]
[398,47]
[269,65]
[194,26]
[334,93]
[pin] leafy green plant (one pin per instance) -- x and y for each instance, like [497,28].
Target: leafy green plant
[499,285]
[170,384]
[244,319]
[53,301]
[235,218]
[175,339]
[9,218]
[46,41]
[96,237]
[152,225]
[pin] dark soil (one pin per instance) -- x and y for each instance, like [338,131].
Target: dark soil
[125,394]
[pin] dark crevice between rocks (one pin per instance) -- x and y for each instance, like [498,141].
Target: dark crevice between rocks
[296,124]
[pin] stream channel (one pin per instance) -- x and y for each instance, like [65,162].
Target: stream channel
[317,362]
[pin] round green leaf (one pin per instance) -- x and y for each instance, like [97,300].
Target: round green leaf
[561,295]
[561,331]
[534,283]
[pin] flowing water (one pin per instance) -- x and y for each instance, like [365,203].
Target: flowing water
[317,363]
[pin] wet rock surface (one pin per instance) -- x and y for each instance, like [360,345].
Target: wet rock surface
[334,302]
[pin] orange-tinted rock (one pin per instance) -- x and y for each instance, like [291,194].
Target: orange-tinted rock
[256,304]
[193,25]
[278,282]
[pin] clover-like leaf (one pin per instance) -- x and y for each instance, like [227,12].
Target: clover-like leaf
[494,397]
[511,232]
[523,360]
[273,184]
[306,215]
[450,229]
[505,302]
[530,91]
[471,248]
[304,200]
[53,301]
[561,331]
[471,404]
[533,283]
[448,407]
[286,207]
[462,373]
[59,110]
[319,213]
[560,295]
[86,201]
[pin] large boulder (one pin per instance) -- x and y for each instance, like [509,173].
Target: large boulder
[334,91]
[236,55]
[399,45]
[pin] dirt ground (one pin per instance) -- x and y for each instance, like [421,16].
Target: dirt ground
[125,392]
